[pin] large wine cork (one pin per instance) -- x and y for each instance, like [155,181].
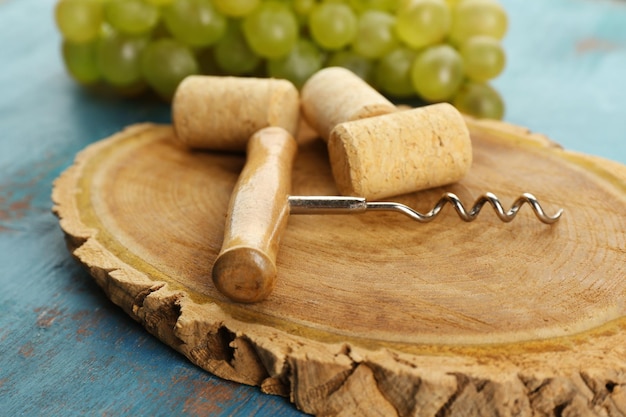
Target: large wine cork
[211,112]
[335,95]
[400,152]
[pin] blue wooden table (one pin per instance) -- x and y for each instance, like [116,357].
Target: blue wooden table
[65,349]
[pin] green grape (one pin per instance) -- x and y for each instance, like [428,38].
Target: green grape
[236,8]
[483,57]
[194,22]
[164,64]
[375,34]
[302,62]
[132,17]
[393,72]
[271,30]
[79,21]
[361,6]
[80,61]
[479,100]
[356,63]
[420,23]
[437,73]
[232,53]
[159,2]
[118,58]
[478,17]
[303,7]
[332,25]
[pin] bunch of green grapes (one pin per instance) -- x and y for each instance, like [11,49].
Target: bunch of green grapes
[431,50]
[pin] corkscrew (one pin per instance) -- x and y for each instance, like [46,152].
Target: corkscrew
[261,203]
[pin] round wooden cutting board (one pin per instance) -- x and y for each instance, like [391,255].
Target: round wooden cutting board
[374,314]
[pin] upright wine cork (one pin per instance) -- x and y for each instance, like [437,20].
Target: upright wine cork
[335,95]
[212,112]
[400,152]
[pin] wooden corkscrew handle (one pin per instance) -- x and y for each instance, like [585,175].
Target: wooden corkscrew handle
[245,269]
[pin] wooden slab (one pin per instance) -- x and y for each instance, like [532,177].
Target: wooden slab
[374,314]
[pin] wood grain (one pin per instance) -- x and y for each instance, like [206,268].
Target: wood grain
[374,314]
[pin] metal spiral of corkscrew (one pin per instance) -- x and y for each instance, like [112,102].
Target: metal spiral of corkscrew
[348,205]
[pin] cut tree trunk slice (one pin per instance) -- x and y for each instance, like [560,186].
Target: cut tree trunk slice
[374,314]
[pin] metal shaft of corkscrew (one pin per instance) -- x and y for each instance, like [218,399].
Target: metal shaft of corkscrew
[353,205]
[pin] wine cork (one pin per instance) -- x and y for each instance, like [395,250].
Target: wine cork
[335,95]
[400,152]
[211,112]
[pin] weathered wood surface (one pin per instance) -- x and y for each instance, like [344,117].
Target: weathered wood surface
[374,314]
